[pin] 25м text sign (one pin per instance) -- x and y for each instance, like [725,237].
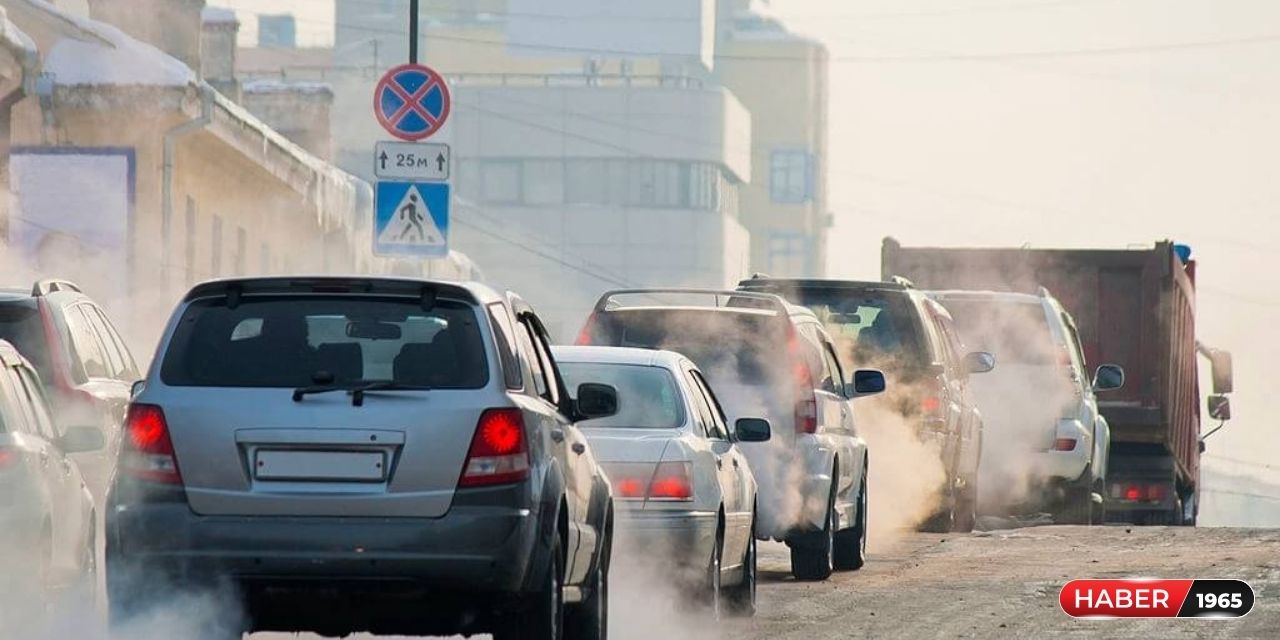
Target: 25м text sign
[411,161]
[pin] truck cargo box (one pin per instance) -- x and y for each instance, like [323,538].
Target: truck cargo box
[1134,308]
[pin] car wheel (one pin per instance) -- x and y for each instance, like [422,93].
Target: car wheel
[944,519]
[740,599]
[589,620]
[543,619]
[812,553]
[966,515]
[850,551]
[1078,506]
[1098,515]
[714,595]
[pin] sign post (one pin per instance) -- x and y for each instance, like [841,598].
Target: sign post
[411,216]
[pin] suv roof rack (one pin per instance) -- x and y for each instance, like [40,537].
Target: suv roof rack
[903,282]
[770,301]
[53,285]
[1043,292]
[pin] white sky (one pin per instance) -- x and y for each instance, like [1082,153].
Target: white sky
[315,18]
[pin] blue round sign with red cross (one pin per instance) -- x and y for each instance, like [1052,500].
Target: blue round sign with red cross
[411,102]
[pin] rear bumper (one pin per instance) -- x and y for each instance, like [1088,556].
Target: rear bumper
[483,549]
[673,538]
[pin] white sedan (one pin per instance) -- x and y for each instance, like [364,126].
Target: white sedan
[683,491]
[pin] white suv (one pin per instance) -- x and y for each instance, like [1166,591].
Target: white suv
[1045,443]
[765,357]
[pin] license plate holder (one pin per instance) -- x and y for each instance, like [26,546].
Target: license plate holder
[319,465]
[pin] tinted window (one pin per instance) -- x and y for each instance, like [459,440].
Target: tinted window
[12,417]
[525,340]
[729,347]
[542,349]
[719,428]
[23,327]
[114,359]
[702,411]
[871,329]
[129,369]
[299,341]
[647,396]
[1016,332]
[85,344]
[505,335]
[37,408]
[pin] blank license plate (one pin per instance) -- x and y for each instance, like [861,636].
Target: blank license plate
[320,465]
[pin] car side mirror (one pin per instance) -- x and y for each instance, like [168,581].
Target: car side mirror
[596,401]
[1108,377]
[979,362]
[82,440]
[1219,407]
[136,388]
[752,430]
[866,382]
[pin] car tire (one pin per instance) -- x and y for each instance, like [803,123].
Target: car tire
[1098,515]
[589,620]
[943,520]
[543,617]
[1077,507]
[740,599]
[850,551]
[715,577]
[812,553]
[966,513]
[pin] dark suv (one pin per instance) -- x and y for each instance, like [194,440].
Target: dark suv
[83,362]
[893,327]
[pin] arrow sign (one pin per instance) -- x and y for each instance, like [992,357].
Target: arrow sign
[411,161]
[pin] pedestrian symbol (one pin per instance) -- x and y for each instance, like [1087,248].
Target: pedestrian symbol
[412,219]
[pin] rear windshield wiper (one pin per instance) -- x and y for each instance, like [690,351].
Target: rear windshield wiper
[357,391]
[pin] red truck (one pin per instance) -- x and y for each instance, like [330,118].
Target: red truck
[1134,308]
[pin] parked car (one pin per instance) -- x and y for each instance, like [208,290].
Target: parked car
[684,491]
[47,521]
[767,358]
[85,365]
[896,328]
[1047,443]
[364,454]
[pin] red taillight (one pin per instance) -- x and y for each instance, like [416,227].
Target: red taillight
[931,404]
[1156,492]
[807,416]
[1064,444]
[8,458]
[584,336]
[1140,492]
[148,452]
[499,450]
[672,481]
[1133,492]
[806,409]
[629,488]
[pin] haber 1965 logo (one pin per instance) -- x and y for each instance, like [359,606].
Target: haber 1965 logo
[1149,598]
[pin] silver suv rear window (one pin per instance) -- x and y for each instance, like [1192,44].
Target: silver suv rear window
[296,341]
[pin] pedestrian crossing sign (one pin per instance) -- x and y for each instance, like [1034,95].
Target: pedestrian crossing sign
[411,219]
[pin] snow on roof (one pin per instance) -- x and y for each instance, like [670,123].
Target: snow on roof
[15,39]
[111,58]
[218,15]
[265,85]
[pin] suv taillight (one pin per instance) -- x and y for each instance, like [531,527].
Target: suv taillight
[584,336]
[147,452]
[806,410]
[499,451]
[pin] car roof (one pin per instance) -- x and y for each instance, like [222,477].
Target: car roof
[993,296]
[619,355]
[474,292]
[827,283]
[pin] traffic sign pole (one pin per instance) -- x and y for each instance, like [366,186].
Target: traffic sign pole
[413,31]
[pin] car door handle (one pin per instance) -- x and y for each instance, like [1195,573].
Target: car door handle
[557,435]
[719,463]
[735,463]
[579,448]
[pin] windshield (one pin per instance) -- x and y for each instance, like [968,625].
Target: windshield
[1016,332]
[869,328]
[302,341]
[647,396]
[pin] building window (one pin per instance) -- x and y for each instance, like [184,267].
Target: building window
[788,254]
[500,181]
[542,182]
[660,183]
[791,176]
[586,181]
[215,247]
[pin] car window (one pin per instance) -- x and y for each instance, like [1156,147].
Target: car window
[85,344]
[542,342]
[12,416]
[297,341]
[951,340]
[719,428]
[647,396]
[810,351]
[37,406]
[525,341]
[114,359]
[1015,332]
[833,367]
[129,369]
[504,334]
[540,362]
[870,328]
[701,410]
[1074,337]
[22,325]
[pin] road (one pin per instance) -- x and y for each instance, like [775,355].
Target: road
[1001,584]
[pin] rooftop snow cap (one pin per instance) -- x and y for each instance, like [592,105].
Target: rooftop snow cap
[218,15]
[104,55]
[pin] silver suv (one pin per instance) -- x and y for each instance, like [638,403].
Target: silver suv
[363,454]
[765,357]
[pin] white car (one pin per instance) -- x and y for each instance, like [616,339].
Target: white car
[1045,443]
[683,491]
[768,358]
